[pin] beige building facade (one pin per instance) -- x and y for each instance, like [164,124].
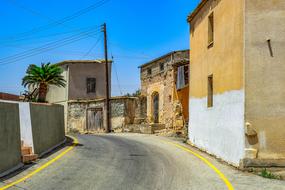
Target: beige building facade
[85,80]
[237,96]
[164,82]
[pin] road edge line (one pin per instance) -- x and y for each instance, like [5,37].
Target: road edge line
[205,160]
[32,173]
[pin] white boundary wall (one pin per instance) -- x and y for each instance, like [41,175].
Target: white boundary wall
[219,130]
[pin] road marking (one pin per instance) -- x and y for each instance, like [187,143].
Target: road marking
[75,142]
[221,175]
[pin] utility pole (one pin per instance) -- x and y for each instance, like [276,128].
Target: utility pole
[107,79]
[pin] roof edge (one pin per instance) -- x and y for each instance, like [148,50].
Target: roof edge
[82,61]
[196,11]
[161,57]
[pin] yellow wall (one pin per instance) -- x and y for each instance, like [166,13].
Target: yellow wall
[225,59]
[240,61]
[219,130]
[265,76]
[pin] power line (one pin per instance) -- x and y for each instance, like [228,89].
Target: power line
[45,36]
[90,50]
[116,73]
[62,21]
[117,77]
[51,43]
[47,47]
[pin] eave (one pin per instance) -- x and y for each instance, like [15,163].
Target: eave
[196,11]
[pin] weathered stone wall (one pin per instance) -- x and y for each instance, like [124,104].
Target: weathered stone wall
[124,111]
[76,114]
[162,82]
[140,110]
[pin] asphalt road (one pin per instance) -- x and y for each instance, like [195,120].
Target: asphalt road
[135,162]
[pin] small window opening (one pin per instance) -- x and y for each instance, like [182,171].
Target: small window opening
[91,85]
[149,71]
[161,66]
[211,30]
[210,91]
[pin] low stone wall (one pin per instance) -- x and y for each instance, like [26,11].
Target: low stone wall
[10,143]
[47,126]
[125,111]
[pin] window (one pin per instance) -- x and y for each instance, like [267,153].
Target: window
[91,85]
[210,91]
[161,66]
[211,30]
[149,71]
[182,79]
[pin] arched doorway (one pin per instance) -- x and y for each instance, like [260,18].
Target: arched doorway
[155,107]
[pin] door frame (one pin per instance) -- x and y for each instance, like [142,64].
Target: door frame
[93,109]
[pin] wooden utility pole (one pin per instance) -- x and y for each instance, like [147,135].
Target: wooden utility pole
[107,80]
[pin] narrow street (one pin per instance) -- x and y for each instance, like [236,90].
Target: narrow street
[133,161]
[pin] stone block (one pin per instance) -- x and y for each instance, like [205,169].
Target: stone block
[251,153]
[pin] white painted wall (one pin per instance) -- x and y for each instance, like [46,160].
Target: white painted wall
[26,125]
[219,130]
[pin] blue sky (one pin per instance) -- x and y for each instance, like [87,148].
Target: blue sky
[138,31]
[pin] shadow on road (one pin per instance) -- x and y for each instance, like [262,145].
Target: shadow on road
[69,142]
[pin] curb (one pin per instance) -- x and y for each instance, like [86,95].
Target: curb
[11,170]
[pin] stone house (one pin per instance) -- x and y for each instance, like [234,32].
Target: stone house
[237,81]
[164,83]
[85,80]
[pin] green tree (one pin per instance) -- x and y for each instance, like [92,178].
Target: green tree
[137,93]
[42,77]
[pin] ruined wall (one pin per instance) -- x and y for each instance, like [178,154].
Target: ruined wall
[76,116]
[218,130]
[161,82]
[265,77]
[140,110]
[124,111]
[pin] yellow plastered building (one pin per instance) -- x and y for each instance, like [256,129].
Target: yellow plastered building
[237,79]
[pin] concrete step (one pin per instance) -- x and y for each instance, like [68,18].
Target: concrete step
[26,150]
[29,158]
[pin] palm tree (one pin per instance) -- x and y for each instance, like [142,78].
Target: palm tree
[42,77]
